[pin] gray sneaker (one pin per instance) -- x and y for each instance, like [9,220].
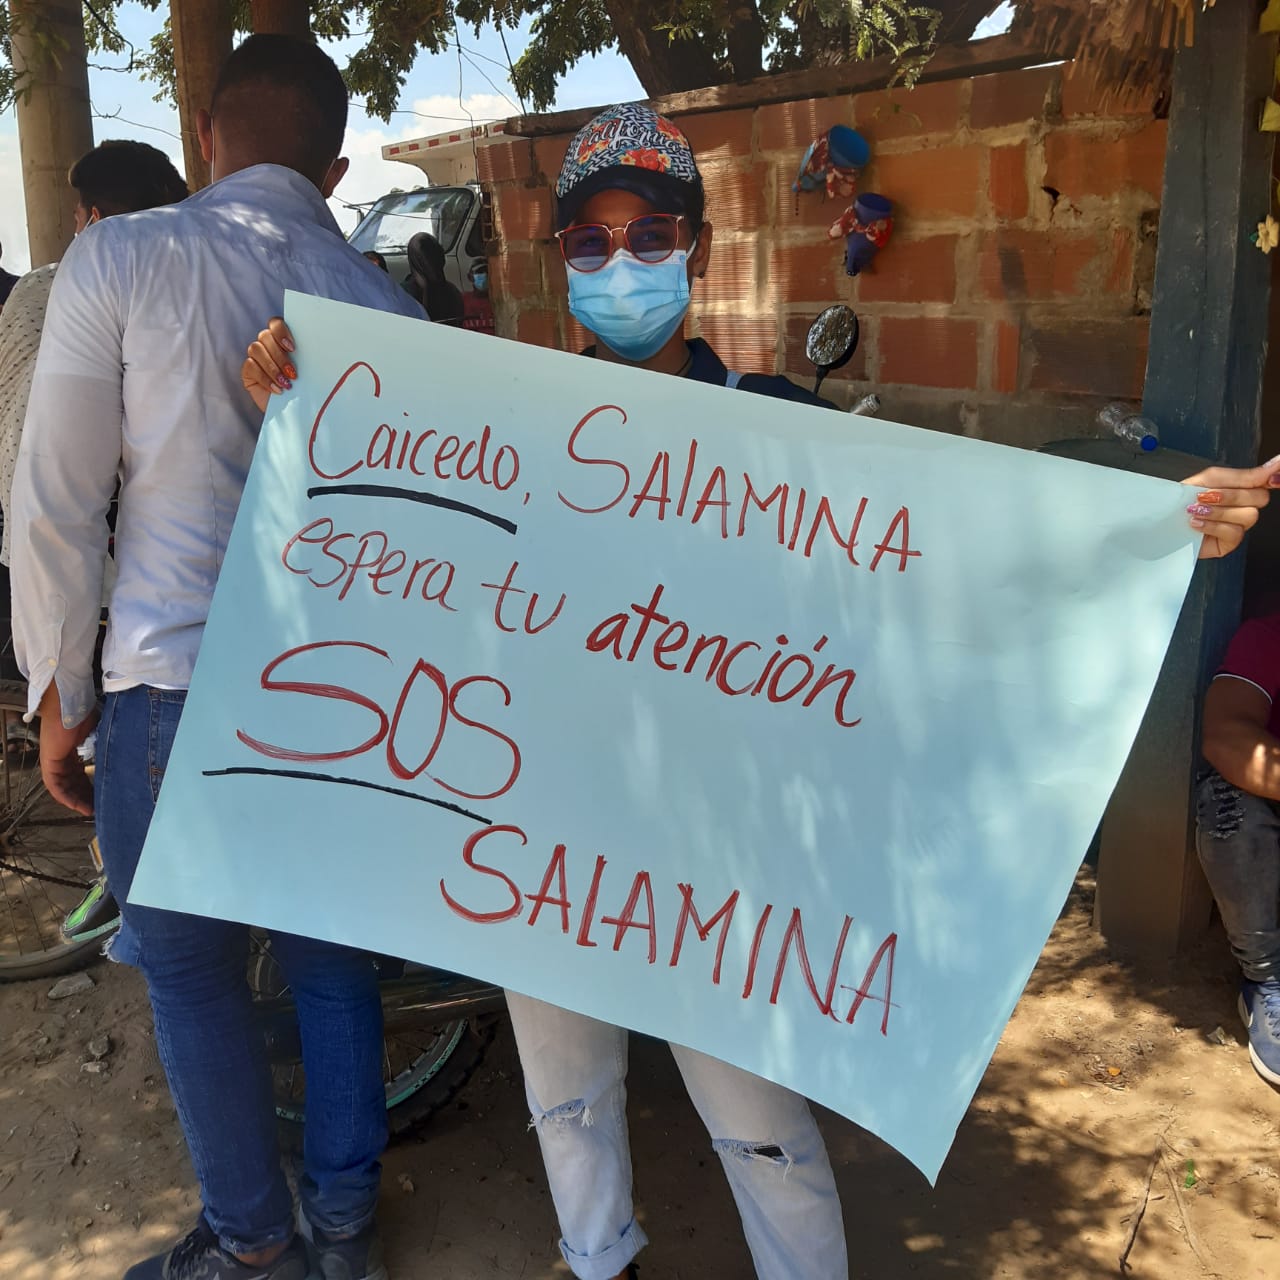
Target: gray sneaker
[1260,1013]
[198,1256]
[357,1257]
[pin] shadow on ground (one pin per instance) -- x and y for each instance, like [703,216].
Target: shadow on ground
[1103,1058]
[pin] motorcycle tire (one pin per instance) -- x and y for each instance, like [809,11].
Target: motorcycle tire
[424,1066]
[426,1087]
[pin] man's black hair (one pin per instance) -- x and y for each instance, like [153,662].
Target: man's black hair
[122,176]
[286,99]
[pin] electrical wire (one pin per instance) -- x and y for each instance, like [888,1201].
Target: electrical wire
[500,92]
[511,71]
[115,31]
[134,124]
[475,150]
[422,115]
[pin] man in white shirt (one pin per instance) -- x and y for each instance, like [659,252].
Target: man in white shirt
[117,176]
[138,377]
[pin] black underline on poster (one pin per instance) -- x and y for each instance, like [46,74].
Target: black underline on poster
[303,776]
[413,495]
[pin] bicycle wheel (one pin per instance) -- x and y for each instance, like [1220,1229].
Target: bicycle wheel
[423,1068]
[46,868]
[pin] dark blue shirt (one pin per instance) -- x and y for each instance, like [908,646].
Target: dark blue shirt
[706,366]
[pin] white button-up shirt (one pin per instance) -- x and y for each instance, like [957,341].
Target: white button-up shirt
[138,379]
[21,323]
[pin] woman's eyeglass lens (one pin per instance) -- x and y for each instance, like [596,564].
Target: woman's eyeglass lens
[652,238]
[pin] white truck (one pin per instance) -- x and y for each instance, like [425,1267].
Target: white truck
[451,206]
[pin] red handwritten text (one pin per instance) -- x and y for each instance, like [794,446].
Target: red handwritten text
[735,668]
[428,704]
[370,554]
[494,897]
[707,492]
[419,452]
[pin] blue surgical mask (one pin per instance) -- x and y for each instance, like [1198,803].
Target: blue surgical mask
[480,280]
[633,307]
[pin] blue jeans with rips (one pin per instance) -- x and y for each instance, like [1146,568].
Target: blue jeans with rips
[212,1049]
[773,1156]
[1238,839]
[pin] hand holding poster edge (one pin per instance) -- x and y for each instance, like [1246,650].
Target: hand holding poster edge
[522,415]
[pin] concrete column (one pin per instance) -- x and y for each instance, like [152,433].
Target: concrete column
[1204,391]
[55,124]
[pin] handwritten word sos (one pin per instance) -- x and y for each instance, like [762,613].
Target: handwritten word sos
[638,913]
[421,453]
[428,706]
[729,505]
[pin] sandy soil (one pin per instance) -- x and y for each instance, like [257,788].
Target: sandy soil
[1101,1060]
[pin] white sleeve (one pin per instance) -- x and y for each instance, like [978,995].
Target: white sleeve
[68,463]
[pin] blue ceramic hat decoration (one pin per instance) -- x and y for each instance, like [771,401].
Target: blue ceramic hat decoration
[833,161]
[867,225]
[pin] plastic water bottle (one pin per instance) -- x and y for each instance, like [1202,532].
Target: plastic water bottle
[1131,427]
[868,406]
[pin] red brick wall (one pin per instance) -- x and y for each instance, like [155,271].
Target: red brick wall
[1012,298]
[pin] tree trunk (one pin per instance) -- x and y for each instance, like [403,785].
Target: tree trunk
[662,65]
[745,32]
[55,122]
[201,44]
[281,17]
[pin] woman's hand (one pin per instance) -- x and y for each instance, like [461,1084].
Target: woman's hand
[1227,503]
[270,366]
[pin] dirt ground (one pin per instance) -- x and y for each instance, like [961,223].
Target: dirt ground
[1101,1060]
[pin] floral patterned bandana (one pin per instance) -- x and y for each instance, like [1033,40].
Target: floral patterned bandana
[631,136]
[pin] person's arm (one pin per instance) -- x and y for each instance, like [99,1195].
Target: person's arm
[68,464]
[1235,738]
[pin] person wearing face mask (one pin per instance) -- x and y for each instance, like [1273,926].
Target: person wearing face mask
[117,176]
[136,379]
[631,202]
[477,310]
[630,209]
[633,235]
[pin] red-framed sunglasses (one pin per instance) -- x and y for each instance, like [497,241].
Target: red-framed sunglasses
[650,238]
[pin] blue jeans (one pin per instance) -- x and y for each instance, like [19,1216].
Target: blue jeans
[575,1071]
[212,1049]
[1238,839]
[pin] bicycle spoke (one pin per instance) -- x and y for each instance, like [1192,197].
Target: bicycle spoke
[44,870]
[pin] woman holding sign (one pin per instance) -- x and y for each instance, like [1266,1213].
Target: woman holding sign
[632,232]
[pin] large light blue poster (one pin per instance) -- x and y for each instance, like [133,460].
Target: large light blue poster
[761,728]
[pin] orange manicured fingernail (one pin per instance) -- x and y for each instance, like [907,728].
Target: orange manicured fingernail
[291,373]
[1212,496]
